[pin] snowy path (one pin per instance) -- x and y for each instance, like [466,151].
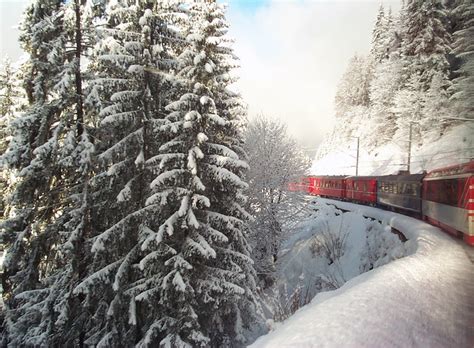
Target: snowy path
[423,300]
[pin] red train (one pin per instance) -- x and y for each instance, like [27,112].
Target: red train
[443,197]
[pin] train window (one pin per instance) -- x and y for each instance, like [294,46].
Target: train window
[413,189]
[463,192]
[431,191]
[443,191]
[452,192]
[406,189]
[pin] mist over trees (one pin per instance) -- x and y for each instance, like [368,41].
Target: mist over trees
[419,72]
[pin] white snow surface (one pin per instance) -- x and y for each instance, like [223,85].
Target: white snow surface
[454,147]
[425,299]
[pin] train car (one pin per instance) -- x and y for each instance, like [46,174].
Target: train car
[400,192]
[327,186]
[361,189]
[300,185]
[448,199]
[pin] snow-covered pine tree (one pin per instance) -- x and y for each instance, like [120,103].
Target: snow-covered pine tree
[436,106]
[203,280]
[51,151]
[409,103]
[9,95]
[352,97]
[133,63]
[463,84]
[32,202]
[76,161]
[425,48]
[12,100]
[380,39]
[383,88]
[387,78]
[353,89]
[426,39]
[394,32]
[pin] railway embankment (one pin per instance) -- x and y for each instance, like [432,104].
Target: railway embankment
[422,299]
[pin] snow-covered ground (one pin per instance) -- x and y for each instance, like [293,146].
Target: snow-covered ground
[456,146]
[425,299]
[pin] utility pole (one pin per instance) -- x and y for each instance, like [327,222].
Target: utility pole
[409,147]
[357,158]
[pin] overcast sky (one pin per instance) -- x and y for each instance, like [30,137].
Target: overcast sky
[292,52]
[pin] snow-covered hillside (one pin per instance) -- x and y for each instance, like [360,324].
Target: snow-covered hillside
[455,146]
[425,299]
[408,89]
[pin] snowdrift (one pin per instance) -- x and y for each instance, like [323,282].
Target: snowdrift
[425,299]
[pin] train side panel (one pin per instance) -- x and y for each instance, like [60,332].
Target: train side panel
[400,192]
[328,186]
[361,189]
[469,237]
[447,199]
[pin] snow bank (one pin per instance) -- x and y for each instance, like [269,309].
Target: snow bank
[456,146]
[356,244]
[425,299]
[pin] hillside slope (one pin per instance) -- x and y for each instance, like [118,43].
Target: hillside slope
[338,156]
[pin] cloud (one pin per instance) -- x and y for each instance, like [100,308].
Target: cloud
[293,54]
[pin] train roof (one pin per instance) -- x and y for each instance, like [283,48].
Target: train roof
[329,177]
[402,177]
[368,177]
[457,169]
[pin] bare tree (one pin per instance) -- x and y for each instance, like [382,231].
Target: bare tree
[275,159]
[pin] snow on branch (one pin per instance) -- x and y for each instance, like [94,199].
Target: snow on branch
[120,117]
[161,179]
[224,150]
[101,276]
[222,175]
[121,144]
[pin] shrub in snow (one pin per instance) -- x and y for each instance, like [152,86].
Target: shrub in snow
[326,250]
